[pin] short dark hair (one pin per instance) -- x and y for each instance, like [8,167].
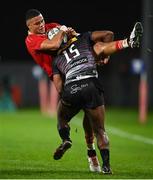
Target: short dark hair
[31,13]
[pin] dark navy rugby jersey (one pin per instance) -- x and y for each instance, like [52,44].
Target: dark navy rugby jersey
[77,60]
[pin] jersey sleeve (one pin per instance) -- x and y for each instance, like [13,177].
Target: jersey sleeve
[34,41]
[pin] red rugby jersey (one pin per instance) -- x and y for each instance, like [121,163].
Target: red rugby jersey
[33,42]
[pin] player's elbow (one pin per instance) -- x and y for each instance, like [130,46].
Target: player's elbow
[57,45]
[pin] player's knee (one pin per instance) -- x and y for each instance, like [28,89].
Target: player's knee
[99,48]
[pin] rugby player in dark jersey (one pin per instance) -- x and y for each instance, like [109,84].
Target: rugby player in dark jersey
[76,62]
[42,50]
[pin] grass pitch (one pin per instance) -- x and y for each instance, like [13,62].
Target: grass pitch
[29,139]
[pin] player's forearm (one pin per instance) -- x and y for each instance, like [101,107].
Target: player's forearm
[58,82]
[54,43]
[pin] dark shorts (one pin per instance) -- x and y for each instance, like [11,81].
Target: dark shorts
[82,94]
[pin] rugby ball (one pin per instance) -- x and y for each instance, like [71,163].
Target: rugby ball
[52,32]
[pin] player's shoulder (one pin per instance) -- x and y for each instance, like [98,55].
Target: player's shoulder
[32,37]
[85,35]
[34,40]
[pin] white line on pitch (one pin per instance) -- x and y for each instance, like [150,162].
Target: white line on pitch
[119,133]
[127,135]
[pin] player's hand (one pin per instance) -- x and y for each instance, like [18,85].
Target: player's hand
[102,62]
[71,32]
[64,28]
[105,61]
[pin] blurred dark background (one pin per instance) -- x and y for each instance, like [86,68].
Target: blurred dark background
[118,16]
[121,84]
